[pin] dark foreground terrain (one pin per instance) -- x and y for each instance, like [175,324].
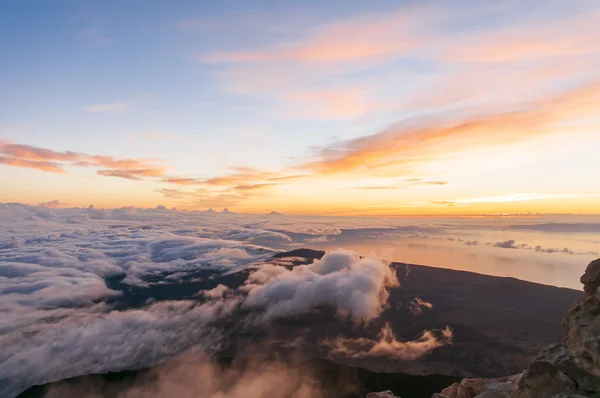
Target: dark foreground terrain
[334,380]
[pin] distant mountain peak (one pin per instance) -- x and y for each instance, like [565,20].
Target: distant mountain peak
[275,213]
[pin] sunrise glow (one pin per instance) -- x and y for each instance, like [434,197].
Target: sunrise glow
[379,109]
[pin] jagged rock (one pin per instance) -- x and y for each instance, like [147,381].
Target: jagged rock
[560,358]
[591,278]
[383,394]
[571,370]
[544,377]
[581,326]
[568,396]
[467,388]
[503,387]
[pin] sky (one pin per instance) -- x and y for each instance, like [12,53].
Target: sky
[315,107]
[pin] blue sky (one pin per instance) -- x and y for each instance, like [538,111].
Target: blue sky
[206,88]
[67,56]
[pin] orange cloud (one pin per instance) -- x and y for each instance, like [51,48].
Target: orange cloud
[182,181]
[48,160]
[252,187]
[402,148]
[131,174]
[289,178]
[333,103]
[369,36]
[401,152]
[435,182]
[109,161]
[241,176]
[403,183]
[226,190]
[520,50]
[34,153]
[558,39]
[208,200]
[500,64]
[176,193]
[32,164]
[203,198]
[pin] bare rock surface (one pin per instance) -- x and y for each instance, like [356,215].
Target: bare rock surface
[581,325]
[544,378]
[582,333]
[591,278]
[569,370]
[383,394]
[503,387]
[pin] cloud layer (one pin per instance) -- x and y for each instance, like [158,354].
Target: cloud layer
[355,287]
[63,270]
[74,281]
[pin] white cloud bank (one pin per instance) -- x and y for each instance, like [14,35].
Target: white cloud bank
[54,263]
[355,286]
[87,343]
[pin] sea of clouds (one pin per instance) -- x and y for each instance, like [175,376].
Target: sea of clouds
[57,311]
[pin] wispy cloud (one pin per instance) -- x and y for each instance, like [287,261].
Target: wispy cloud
[110,107]
[511,244]
[94,36]
[132,174]
[161,136]
[182,181]
[49,160]
[359,38]
[420,153]
[388,345]
[32,164]
[566,37]
[252,187]
[402,148]
[403,184]
[342,68]
[176,193]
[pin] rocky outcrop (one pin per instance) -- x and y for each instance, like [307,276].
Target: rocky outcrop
[548,374]
[554,371]
[569,370]
[581,326]
[383,394]
[591,278]
[503,387]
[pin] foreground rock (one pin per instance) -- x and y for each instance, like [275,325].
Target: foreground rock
[581,326]
[568,370]
[383,394]
[488,388]
[591,278]
[552,374]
